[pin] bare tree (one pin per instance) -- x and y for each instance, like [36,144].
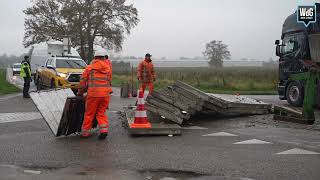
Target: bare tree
[86,22]
[216,52]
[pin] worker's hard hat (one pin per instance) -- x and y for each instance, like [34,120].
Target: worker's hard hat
[99,54]
[106,53]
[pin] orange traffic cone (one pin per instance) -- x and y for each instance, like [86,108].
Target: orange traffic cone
[140,118]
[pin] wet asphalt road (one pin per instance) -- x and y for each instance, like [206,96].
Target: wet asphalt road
[30,145]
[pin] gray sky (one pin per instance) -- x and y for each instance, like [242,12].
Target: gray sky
[174,28]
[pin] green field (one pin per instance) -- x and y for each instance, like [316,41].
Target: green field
[5,87]
[231,80]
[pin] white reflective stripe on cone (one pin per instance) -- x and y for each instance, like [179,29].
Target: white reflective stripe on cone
[141,101]
[140,114]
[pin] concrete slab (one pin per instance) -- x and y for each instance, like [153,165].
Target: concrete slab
[160,128]
[51,105]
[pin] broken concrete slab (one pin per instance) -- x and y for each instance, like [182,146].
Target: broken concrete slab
[290,114]
[181,101]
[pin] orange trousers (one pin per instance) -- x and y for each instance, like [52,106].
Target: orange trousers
[95,107]
[143,87]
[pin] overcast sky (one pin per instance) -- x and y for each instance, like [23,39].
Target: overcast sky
[175,28]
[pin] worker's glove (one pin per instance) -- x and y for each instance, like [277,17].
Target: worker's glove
[111,92]
[30,79]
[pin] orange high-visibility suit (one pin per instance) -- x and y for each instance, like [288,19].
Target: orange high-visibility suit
[96,78]
[146,75]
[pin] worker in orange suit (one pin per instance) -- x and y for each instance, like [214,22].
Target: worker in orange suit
[96,78]
[146,74]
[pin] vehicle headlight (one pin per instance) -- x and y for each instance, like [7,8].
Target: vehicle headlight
[63,75]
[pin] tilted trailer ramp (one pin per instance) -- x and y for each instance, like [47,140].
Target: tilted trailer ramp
[61,109]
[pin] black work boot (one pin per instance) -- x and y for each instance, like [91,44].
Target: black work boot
[103,136]
[26,96]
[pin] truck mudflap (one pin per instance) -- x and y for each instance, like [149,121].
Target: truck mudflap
[61,109]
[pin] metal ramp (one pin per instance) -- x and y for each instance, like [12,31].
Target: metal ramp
[61,109]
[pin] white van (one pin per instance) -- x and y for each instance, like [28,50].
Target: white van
[39,53]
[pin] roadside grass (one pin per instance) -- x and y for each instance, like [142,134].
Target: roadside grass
[6,87]
[242,80]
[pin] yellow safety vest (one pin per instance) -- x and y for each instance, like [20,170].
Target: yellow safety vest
[25,65]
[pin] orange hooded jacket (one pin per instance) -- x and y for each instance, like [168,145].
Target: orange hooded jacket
[97,78]
[146,72]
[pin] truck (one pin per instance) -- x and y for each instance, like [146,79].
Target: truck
[294,55]
[56,64]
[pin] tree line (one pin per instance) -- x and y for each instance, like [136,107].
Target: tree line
[85,22]
[93,22]
[6,61]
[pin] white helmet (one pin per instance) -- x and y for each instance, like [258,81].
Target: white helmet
[99,53]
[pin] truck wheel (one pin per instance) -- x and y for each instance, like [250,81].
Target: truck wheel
[39,84]
[295,94]
[52,85]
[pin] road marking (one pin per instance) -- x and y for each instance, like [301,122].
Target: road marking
[221,134]
[32,172]
[20,116]
[253,141]
[297,151]
[194,128]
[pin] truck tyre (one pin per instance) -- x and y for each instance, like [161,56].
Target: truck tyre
[39,84]
[52,85]
[295,94]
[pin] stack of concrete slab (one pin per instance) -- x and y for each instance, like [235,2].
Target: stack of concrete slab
[180,101]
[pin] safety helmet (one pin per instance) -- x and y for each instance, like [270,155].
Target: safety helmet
[99,53]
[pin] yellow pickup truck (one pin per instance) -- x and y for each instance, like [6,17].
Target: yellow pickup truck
[60,72]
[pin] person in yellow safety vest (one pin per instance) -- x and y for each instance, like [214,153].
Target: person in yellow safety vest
[25,73]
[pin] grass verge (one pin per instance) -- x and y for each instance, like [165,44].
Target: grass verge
[227,81]
[5,86]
